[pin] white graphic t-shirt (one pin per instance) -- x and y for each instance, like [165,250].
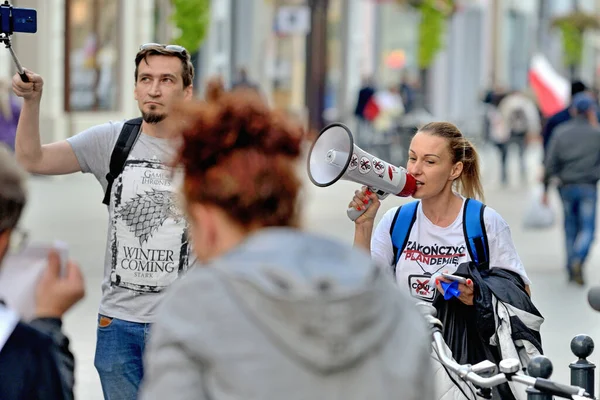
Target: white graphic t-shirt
[148,232]
[147,243]
[431,249]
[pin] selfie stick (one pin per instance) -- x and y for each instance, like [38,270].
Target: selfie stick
[22,74]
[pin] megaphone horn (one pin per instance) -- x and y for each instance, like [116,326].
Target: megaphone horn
[334,156]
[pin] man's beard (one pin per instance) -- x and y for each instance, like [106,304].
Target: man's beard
[153,118]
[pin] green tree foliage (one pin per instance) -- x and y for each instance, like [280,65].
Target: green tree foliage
[434,16]
[572,41]
[431,32]
[192,18]
[572,28]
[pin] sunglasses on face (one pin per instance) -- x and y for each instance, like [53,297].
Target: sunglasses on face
[170,47]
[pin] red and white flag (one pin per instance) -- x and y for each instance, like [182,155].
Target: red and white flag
[551,89]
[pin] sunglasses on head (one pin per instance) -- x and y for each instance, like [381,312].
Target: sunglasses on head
[170,47]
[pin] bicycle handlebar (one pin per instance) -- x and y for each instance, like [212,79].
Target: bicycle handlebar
[510,374]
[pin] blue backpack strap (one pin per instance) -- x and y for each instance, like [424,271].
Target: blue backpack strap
[474,230]
[400,228]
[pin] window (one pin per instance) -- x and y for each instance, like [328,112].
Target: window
[92,54]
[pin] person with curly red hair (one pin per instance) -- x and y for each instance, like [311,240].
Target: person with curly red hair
[275,313]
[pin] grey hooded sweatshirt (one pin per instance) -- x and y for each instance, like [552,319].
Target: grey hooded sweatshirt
[288,315]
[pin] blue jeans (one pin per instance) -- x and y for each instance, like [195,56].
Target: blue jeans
[579,204]
[119,355]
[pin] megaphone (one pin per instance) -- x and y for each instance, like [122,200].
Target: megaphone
[334,156]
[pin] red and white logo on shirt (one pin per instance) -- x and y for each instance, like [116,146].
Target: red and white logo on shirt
[421,287]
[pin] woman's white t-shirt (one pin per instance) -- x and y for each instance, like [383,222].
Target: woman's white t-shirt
[431,249]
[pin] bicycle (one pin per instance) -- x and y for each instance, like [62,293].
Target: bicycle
[484,375]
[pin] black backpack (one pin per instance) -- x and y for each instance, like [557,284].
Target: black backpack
[127,138]
[519,123]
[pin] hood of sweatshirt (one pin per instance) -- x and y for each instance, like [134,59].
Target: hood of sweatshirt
[322,302]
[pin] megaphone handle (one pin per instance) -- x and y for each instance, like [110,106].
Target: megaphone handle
[353,213]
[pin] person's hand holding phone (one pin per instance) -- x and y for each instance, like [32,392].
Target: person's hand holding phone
[56,293]
[29,91]
[467,289]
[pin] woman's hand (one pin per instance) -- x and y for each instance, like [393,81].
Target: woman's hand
[359,202]
[467,290]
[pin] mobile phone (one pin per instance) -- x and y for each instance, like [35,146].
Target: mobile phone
[63,253]
[456,278]
[16,19]
[20,273]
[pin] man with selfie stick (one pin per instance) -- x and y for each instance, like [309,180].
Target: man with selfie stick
[35,360]
[147,245]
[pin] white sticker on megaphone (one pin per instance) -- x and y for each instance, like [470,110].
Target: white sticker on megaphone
[378,166]
[364,166]
[353,162]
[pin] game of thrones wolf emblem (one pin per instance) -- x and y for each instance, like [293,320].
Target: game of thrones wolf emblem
[147,212]
[149,232]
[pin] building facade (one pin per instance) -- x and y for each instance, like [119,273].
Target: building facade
[84,50]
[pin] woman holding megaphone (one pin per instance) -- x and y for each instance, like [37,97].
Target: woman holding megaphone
[447,230]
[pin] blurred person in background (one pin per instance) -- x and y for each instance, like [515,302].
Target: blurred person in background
[243,81]
[35,360]
[390,106]
[10,108]
[498,131]
[522,119]
[573,157]
[147,245]
[364,127]
[562,116]
[407,91]
[275,313]
[490,99]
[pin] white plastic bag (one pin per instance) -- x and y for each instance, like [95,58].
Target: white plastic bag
[538,215]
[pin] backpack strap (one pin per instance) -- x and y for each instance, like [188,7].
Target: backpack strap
[127,138]
[474,231]
[401,225]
